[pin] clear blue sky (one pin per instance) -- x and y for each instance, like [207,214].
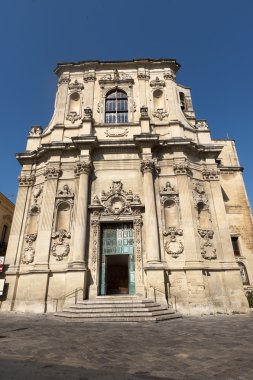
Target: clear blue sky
[211,39]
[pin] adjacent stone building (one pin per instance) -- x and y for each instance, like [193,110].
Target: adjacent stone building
[125,193]
[6,213]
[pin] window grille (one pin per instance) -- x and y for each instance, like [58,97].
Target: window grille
[116,107]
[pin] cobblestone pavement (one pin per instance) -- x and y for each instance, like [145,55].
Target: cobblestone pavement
[43,347]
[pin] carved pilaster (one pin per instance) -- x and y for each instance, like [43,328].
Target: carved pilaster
[137,222]
[95,224]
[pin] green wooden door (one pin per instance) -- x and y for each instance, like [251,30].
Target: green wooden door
[117,239]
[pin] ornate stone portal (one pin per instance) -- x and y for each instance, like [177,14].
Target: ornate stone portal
[125,192]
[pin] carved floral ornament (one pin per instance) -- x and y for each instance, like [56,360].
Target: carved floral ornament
[73,116]
[116,201]
[207,249]
[173,246]
[157,83]
[60,248]
[160,113]
[199,195]
[29,251]
[201,124]
[116,77]
[76,86]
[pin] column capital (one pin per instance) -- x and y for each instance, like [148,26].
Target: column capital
[211,174]
[181,168]
[149,166]
[52,172]
[82,167]
[26,180]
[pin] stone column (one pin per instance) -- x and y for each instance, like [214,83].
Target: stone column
[182,172]
[51,174]
[151,225]
[82,171]
[15,238]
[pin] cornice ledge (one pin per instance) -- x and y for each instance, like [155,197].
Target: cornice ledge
[231,168]
[146,139]
[86,141]
[209,147]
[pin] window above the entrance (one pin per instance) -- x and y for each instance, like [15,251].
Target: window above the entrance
[116,107]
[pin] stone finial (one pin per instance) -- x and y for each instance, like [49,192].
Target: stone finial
[36,130]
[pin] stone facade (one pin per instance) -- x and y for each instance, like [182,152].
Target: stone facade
[126,179]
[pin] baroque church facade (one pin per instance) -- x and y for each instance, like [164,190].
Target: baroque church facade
[126,194]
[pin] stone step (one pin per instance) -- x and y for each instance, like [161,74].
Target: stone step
[114,306]
[116,314]
[114,301]
[132,319]
[113,309]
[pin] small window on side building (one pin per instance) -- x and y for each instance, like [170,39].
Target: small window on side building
[236,246]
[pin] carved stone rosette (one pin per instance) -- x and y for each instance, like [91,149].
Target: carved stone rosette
[82,167]
[26,180]
[52,172]
[211,174]
[207,248]
[29,251]
[60,248]
[173,246]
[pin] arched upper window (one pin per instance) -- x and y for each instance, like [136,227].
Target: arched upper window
[116,108]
